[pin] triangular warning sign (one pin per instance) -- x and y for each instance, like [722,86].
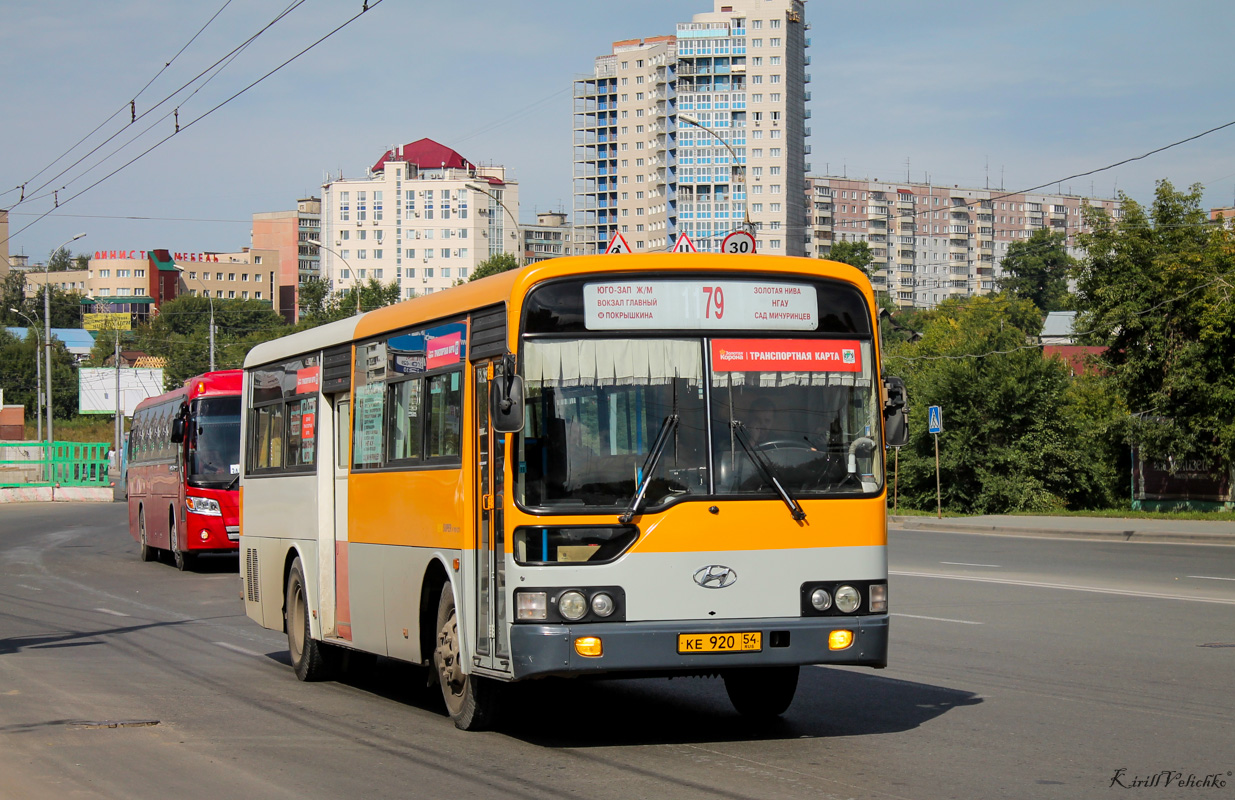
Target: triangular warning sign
[617,245]
[684,245]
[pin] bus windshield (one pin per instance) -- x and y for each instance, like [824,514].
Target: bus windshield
[807,408]
[595,407]
[214,450]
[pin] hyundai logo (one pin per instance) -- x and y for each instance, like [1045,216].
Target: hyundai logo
[715,576]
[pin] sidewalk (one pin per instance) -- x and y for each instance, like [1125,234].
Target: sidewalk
[1123,530]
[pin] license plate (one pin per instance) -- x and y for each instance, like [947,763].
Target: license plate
[720,642]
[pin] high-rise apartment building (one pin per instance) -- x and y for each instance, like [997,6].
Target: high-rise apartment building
[700,133]
[423,217]
[295,234]
[932,242]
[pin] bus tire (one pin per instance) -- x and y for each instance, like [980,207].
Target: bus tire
[470,699]
[144,550]
[179,557]
[312,660]
[761,692]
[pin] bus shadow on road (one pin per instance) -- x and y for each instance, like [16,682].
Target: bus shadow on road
[829,703]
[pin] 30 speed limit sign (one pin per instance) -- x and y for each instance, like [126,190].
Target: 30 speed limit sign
[741,242]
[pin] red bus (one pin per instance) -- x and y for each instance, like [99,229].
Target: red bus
[184,470]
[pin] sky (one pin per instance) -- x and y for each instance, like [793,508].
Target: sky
[1005,94]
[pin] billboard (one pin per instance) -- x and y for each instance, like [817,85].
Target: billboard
[111,321]
[96,389]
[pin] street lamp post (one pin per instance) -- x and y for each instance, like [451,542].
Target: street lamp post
[738,165]
[210,300]
[38,371]
[47,334]
[498,200]
[355,280]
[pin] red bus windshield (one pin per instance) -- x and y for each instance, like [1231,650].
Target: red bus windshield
[214,445]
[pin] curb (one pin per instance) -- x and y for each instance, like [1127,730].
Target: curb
[64,494]
[1133,536]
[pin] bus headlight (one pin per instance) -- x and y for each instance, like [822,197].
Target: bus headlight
[203,505]
[602,604]
[847,599]
[572,605]
[821,600]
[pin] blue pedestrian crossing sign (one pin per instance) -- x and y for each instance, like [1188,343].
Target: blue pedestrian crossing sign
[936,420]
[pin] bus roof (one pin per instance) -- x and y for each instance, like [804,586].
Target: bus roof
[515,283]
[220,382]
[327,335]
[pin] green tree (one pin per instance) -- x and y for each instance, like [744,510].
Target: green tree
[66,309]
[502,262]
[1156,287]
[855,254]
[1012,439]
[18,374]
[60,260]
[13,295]
[314,292]
[1037,269]
[180,333]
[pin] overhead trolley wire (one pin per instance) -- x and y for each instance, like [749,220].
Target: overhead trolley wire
[367,7]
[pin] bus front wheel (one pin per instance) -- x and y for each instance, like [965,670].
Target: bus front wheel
[312,660]
[179,557]
[470,699]
[761,692]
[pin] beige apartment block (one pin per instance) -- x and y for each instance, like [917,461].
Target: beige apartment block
[552,236]
[250,274]
[423,217]
[701,133]
[933,242]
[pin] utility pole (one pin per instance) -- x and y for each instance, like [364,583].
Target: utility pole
[119,405]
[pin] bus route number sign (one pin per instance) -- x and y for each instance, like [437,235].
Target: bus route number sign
[738,243]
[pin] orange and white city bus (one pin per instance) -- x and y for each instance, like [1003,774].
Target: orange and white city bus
[183,474]
[627,464]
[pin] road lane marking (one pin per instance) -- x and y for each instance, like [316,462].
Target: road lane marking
[1210,578]
[963,564]
[1069,587]
[113,613]
[238,649]
[938,619]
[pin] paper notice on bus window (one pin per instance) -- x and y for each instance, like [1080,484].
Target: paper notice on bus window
[786,355]
[708,305]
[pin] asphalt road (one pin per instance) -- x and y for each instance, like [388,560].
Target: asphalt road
[1021,668]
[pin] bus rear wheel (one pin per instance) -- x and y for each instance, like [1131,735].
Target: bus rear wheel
[470,700]
[144,549]
[761,692]
[312,660]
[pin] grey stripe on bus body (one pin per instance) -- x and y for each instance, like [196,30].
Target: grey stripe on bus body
[661,586]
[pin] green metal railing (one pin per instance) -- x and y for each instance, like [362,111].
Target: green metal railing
[61,464]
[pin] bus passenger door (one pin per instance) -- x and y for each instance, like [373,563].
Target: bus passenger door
[336,552]
[492,647]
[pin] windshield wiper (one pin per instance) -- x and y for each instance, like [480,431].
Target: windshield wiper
[765,467]
[649,466]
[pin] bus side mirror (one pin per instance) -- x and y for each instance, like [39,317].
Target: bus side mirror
[895,413]
[177,430]
[506,403]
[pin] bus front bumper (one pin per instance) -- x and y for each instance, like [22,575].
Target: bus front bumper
[652,647]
